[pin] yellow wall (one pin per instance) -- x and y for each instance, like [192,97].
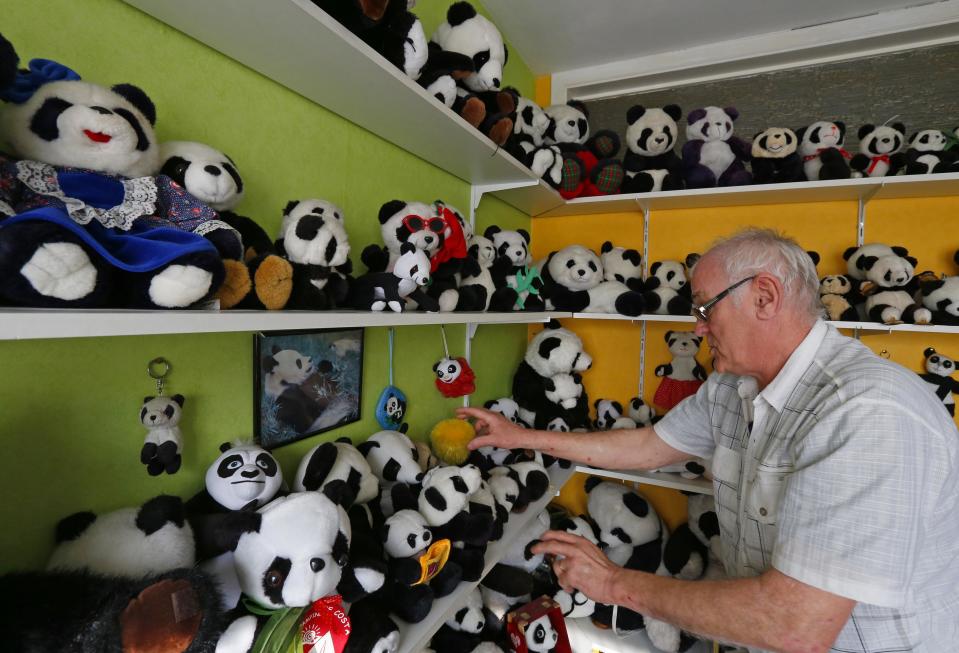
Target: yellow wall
[827,227]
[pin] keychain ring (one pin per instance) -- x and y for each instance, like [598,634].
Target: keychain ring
[158,361]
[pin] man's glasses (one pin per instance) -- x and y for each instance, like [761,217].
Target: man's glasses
[414,223]
[702,312]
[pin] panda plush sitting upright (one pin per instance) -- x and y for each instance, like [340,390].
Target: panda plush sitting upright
[83,220]
[839,296]
[682,376]
[938,374]
[651,163]
[590,165]
[574,281]
[712,156]
[523,289]
[890,289]
[822,151]
[255,277]
[667,289]
[879,151]
[774,157]
[487,277]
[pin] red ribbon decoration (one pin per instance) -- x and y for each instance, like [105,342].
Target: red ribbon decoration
[454,245]
[875,162]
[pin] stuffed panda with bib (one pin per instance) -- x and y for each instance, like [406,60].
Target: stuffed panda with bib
[880,152]
[84,219]
[822,151]
[650,162]
[938,374]
[927,153]
[775,158]
[712,155]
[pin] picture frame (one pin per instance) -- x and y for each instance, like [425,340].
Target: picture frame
[305,382]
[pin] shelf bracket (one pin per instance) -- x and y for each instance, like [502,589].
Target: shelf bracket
[478,190]
[864,198]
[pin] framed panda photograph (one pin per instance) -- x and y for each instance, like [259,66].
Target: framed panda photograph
[305,382]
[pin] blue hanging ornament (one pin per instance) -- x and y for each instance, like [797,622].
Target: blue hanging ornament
[391,406]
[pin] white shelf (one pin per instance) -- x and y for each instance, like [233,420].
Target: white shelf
[415,637]
[298,45]
[585,636]
[33,323]
[904,186]
[638,318]
[662,479]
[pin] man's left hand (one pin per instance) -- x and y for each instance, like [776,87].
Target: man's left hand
[579,565]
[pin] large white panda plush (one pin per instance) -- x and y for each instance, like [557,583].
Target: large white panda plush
[879,151]
[651,162]
[574,281]
[337,461]
[79,202]
[927,153]
[891,288]
[822,151]
[712,155]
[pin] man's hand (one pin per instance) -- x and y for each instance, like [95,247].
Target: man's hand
[580,565]
[493,430]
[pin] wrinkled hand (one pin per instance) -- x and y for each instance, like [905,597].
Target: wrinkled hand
[492,429]
[580,565]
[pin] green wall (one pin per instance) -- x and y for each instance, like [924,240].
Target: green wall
[69,408]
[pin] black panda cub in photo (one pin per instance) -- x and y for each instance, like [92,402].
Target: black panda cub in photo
[541,637]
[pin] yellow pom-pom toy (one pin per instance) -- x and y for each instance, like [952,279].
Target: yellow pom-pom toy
[449,438]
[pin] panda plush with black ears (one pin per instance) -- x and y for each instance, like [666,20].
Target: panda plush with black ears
[651,162]
[939,371]
[590,164]
[927,153]
[774,157]
[822,151]
[574,281]
[85,223]
[880,152]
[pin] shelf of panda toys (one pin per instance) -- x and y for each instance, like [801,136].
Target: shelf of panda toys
[866,188]
[35,323]
[415,637]
[298,45]
[863,327]
[671,480]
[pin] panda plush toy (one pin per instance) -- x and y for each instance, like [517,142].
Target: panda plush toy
[641,412]
[651,163]
[468,33]
[692,551]
[775,158]
[337,461]
[590,165]
[822,151]
[683,375]
[463,631]
[394,460]
[378,291]
[939,371]
[127,543]
[163,442]
[852,255]
[510,584]
[527,146]
[84,220]
[523,287]
[574,280]
[890,289]
[313,239]
[712,155]
[941,297]
[667,289]
[927,153]
[609,415]
[880,152]
[622,265]
[488,276]
[839,296]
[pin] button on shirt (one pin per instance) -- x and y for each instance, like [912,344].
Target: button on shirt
[843,473]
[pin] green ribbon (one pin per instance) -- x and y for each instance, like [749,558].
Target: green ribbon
[525,279]
[279,631]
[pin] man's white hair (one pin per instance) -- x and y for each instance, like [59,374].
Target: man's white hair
[753,250]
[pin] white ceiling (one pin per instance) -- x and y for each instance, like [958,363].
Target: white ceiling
[553,36]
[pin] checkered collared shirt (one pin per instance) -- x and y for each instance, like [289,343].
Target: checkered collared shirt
[847,480]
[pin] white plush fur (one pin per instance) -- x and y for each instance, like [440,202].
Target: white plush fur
[566,390]
[470,37]
[819,135]
[218,190]
[313,251]
[440,478]
[393,446]
[61,270]
[716,153]
[567,358]
[348,458]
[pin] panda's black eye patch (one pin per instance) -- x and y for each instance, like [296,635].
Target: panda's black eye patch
[528,114]
[44,121]
[175,168]
[267,464]
[933,359]
[570,263]
[274,578]
[317,564]
[228,465]
[308,227]
[947,364]
[480,58]
[102,110]
[411,541]
[670,275]
[459,485]
[592,266]
[299,363]
[231,170]
[143,144]
[414,269]
[331,249]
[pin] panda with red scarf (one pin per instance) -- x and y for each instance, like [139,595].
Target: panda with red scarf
[436,230]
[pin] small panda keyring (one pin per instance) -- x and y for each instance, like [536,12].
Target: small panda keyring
[159,361]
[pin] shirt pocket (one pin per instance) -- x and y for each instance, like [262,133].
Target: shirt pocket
[765,494]
[727,466]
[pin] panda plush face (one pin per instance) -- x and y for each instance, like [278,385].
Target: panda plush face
[622,516]
[406,534]
[206,173]
[564,389]
[774,143]
[853,254]
[884,139]
[337,461]
[683,343]
[446,492]
[942,295]
[395,407]
[286,367]
[411,222]
[640,412]
[413,264]
[447,370]
[243,476]
[392,457]
[557,351]
[541,637]
[513,245]
[890,271]
[466,32]
[928,140]
[651,132]
[558,424]
[938,364]
[73,123]
[621,264]
[482,249]
[607,412]
[835,284]
[576,267]
[297,554]
[531,121]
[671,274]
[820,135]
[711,124]
[158,412]
[568,123]
[313,233]
[506,407]
[470,617]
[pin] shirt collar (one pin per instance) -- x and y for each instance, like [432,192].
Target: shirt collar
[778,391]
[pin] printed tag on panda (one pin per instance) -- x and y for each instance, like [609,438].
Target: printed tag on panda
[325,628]
[433,560]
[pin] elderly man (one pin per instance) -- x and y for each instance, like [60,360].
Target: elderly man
[836,475]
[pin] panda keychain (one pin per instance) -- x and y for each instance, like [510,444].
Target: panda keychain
[161,417]
[391,406]
[454,376]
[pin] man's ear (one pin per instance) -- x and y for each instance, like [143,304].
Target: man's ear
[768,295]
